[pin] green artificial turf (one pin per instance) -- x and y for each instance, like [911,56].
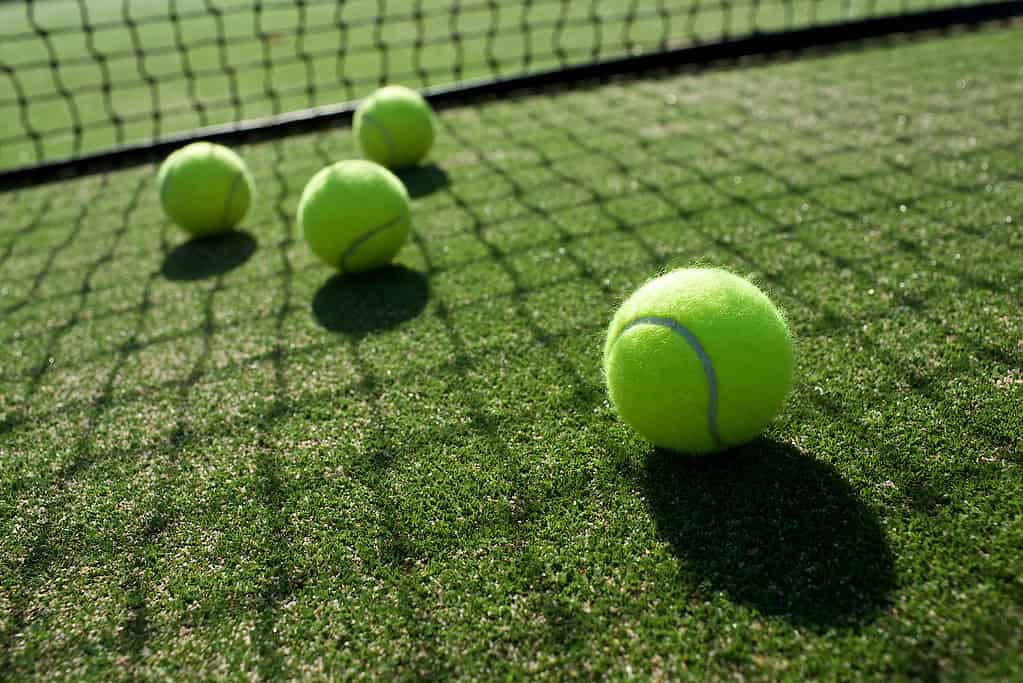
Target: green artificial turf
[86,75]
[217,461]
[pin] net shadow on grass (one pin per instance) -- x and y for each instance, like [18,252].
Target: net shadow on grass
[362,303]
[775,529]
[201,259]
[926,383]
[280,581]
[51,541]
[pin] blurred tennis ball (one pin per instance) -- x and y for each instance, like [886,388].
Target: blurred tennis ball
[394,126]
[354,215]
[698,360]
[205,188]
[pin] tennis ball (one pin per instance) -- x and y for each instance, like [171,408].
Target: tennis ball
[394,126]
[355,215]
[205,188]
[698,360]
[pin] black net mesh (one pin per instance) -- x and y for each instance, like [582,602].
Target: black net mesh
[81,76]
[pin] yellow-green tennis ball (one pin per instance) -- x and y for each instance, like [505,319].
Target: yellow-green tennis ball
[698,360]
[205,188]
[355,215]
[394,126]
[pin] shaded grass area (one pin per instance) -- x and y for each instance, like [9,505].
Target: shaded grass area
[220,460]
[78,76]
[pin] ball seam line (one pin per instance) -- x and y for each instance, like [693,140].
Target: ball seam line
[708,366]
[230,198]
[392,147]
[363,238]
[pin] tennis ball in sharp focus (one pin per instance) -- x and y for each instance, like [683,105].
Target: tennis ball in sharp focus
[205,188]
[394,126]
[698,360]
[355,215]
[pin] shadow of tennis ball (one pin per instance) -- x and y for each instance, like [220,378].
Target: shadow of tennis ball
[201,258]
[423,180]
[774,529]
[380,299]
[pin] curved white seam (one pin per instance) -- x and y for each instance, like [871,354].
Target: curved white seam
[392,147]
[708,367]
[230,197]
[366,236]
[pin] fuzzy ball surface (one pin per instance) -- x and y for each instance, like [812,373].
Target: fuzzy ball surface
[394,126]
[354,215]
[698,360]
[205,188]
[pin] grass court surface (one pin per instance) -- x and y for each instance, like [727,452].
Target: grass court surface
[219,461]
